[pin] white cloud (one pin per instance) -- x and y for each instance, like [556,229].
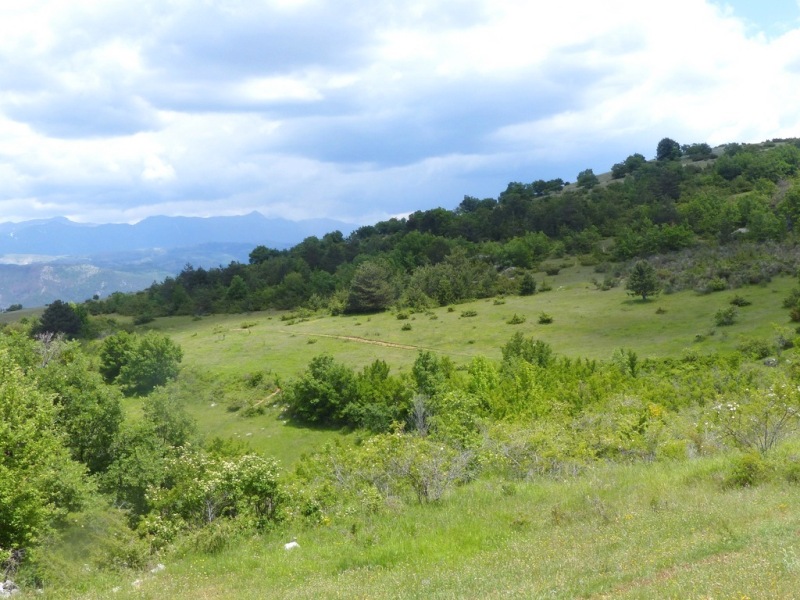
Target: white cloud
[314,108]
[156,170]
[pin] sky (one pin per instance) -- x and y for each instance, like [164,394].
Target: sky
[116,110]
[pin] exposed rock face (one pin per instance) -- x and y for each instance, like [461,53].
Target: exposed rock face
[771,362]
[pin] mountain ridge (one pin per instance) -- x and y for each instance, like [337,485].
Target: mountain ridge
[42,260]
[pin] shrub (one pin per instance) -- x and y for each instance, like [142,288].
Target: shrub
[143,319]
[755,348]
[545,319]
[530,350]
[469,313]
[402,316]
[738,300]
[717,284]
[760,419]
[725,316]
[516,320]
[552,271]
[527,286]
[406,327]
[747,470]
[321,394]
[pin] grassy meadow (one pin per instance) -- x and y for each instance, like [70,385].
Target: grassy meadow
[586,323]
[641,531]
[666,529]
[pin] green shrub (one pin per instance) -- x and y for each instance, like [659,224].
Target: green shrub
[747,470]
[717,284]
[738,300]
[725,316]
[406,327]
[469,313]
[545,319]
[321,394]
[529,349]
[516,320]
[527,285]
[755,348]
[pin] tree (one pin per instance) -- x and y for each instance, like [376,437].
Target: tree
[152,360]
[370,289]
[697,151]
[668,149]
[89,410]
[619,170]
[527,286]
[113,354]
[39,482]
[323,392]
[587,179]
[237,290]
[643,280]
[61,317]
[634,162]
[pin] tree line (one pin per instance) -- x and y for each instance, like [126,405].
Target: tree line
[484,247]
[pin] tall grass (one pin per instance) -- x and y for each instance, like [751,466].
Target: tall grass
[668,530]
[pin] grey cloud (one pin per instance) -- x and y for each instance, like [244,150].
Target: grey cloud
[207,40]
[454,118]
[97,113]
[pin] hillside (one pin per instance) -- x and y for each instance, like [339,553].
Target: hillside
[562,393]
[691,199]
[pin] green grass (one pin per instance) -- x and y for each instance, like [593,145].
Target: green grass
[586,323]
[664,530]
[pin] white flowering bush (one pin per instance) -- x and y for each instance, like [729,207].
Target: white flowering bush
[759,419]
[200,488]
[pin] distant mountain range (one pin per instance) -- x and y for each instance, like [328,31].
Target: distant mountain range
[45,260]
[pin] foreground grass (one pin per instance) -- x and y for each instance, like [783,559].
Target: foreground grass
[665,530]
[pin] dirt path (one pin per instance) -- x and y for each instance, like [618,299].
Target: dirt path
[360,340]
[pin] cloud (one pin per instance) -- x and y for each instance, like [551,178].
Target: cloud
[115,111]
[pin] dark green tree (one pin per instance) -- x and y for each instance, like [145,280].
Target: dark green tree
[643,280]
[527,286]
[668,149]
[587,179]
[619,170]
[370,289]
[237,290]
[634,162]
[61,317]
